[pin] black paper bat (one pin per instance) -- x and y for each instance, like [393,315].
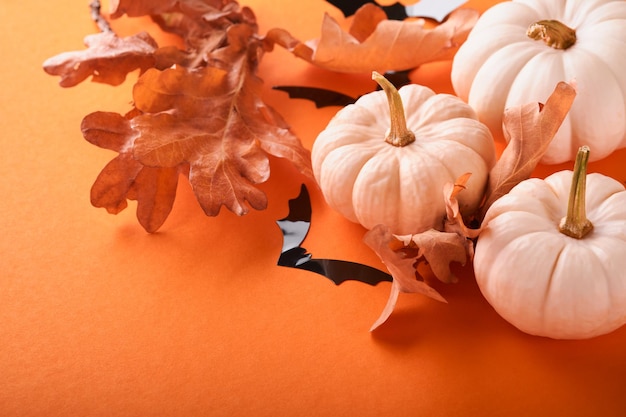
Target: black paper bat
[348,7]
[323,97]
[431,9]
[296,226]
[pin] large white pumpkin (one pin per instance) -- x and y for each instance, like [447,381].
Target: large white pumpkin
[500,66]
[547,277]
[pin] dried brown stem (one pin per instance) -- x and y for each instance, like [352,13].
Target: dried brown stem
[96,16]
[575,224]
[399,134]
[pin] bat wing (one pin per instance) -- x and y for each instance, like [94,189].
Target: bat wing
[322,97]
[395,11]
[296,226]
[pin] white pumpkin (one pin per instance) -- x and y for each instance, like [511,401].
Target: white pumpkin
[500,66]
[568,284]
[377,166]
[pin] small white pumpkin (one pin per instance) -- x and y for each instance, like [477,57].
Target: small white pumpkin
[564,279]
[519,50]
[376,166]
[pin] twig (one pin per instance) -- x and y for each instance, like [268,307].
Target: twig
[97,17]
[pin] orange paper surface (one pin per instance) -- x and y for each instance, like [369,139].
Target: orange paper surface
[99,318]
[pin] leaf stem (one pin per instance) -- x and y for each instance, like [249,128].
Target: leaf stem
[575,224]
[97,17]
[399,134]
[553,33]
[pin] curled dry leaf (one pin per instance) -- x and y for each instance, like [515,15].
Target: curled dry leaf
[454,220]
[375,43]
[198,111]
[400,261]
[403,254]
[108,59]
[528,129]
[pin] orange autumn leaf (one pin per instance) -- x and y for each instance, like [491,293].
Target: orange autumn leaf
[529,129]
[402,265]
[402,255]
[124,177]
[198,111]
[454,220]
[213,123]
[107,59]
[450,191]
[135,8]
[375,43]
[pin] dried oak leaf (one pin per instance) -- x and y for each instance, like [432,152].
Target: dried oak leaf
[203,26]
[206,9]
[198,111]
[154,188]
[402,254]
[454,220]
[107,59]
[528,129]
[214,121]
[438,249]
[375,43]
[136,8]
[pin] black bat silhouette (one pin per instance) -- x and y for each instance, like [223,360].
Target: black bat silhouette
[296,226]
[348,7]
[323,97]
[397,11]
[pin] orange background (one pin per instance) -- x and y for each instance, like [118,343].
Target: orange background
[99,318]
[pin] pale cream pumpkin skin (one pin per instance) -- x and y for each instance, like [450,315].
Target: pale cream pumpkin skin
[544,282]
[372,182]
[500,66]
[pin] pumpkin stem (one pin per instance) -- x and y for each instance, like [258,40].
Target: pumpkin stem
[575,223]
[553,33]
[399,134]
